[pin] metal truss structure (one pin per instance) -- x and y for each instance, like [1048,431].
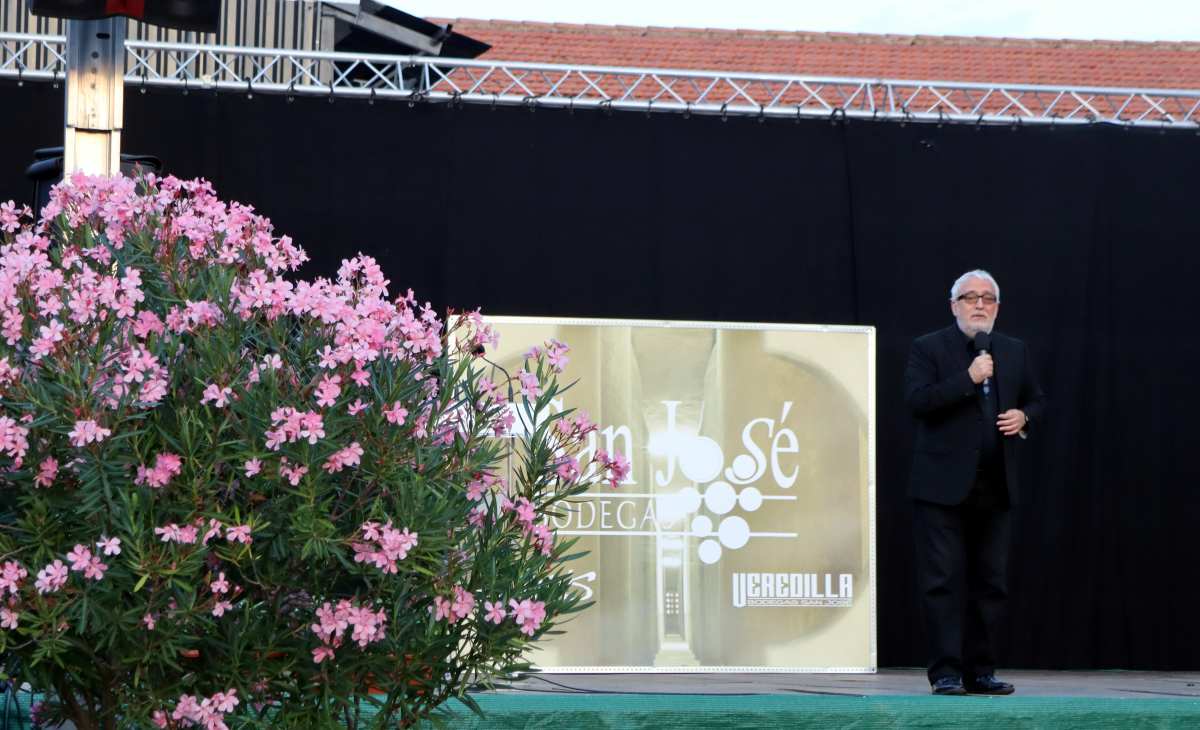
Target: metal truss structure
[430,79]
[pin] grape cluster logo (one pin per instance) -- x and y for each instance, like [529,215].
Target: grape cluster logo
[716,509]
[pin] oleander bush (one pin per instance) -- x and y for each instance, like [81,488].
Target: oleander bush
[233,500]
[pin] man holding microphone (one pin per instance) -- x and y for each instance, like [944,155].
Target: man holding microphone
[976,398]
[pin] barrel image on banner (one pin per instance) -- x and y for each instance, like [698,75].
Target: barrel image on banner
[743,537]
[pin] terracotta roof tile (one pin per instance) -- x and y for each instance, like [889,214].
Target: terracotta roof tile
[917,57]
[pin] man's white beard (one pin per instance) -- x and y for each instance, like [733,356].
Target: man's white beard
[972,330]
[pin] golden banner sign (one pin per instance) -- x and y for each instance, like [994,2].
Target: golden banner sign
[743,538]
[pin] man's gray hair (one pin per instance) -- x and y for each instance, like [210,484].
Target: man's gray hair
[976,274]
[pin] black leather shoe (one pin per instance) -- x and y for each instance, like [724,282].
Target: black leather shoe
[949,686]
[987,684]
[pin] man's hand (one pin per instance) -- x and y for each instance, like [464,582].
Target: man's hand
[1011,422]
[981,368]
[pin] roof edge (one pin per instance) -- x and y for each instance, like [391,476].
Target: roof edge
[532,26]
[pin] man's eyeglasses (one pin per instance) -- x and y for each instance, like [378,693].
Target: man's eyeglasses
[972,298]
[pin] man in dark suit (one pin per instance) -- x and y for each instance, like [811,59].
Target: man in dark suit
[976,398]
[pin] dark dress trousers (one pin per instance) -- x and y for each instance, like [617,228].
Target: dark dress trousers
[961,496]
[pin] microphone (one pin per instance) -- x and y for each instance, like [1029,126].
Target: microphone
[983,343]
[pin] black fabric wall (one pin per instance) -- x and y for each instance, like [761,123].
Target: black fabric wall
[1092,232]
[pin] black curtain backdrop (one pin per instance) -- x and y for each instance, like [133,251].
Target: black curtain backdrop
[1093,233]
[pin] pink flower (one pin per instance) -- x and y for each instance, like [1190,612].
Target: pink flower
[94,570]
[11,575]
[617,466]
[10,217]
[8,374]
[328,390]
[525,511]
[575,426]
[489,392]
[239,533]
[218,395]
[174,533]
[187,709]
[385,546]
[321,653]
[292,425]
[220,607]
[495,611]
[124,307]
[166,466]
[398,542]
[8,618]
[79,556]
[396,414]
[140,366]
[40,348]
[214,530]
[367,626]
[357,407]
[208,713]
[441,608]
[149,622]
[48,336]
[528,614]
[327,358]
[275,439]
[201,314]
[147,323]
[252,467]
[567,469]
[419,426]
[225,701]
[220,585]
[110,545]
[86,432]
[47,470]
[475,516]
[521,610]
[504,423]
[349,456]
[168,462]
[464,602]
[52,577]
[292,473]
[477,487]
[556,355]
[530,388]
[445,435]
[543,538]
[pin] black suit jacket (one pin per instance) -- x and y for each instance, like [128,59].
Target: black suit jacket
[950,418]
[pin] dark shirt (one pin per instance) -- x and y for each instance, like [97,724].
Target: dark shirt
[989,487]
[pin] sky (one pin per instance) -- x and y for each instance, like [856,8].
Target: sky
[1142,20]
